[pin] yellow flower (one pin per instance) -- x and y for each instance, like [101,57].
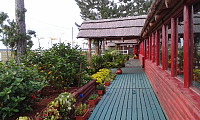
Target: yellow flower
[42,71]
[50,72]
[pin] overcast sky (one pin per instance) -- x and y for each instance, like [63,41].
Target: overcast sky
[49,18]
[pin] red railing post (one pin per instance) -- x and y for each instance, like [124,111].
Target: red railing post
[174,46]
[188,46]
[150,47]
[153,47]
[165,47]
[157,40]
[147,56]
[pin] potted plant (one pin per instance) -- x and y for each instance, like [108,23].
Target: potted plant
[101,89]
[119,65]
[48,113]
[93,99]
[81,112]
[107,81]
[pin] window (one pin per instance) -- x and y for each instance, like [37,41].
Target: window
[180,46]
[196,47]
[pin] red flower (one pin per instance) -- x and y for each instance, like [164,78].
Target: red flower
[34,96]
[38,92]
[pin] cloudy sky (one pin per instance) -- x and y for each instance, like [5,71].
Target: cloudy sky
[49,18]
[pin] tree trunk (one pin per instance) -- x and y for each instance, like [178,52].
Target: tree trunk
[20,20]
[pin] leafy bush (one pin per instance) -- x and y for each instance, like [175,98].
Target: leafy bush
[60,65]
[18,85]
[92,97]
[64,104]
[97,62]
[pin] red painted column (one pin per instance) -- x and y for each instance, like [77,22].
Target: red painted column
[174,46]
[145,49]
[164,47]
[147,53]
[142,49]
[150,47]
[157,51]
[188,46]
[153,47]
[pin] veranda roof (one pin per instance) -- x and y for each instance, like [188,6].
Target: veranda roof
[129,27]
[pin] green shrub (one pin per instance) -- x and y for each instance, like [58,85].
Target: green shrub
[18,85]
[60,65]
[97,62]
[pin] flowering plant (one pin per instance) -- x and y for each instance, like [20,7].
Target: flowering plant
[101,75]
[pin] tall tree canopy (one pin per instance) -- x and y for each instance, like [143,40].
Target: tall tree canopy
[104,9]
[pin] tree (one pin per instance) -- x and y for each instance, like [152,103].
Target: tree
[104,9]
[20,20]
[9,32]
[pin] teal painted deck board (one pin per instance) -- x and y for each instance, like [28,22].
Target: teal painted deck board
[129,97]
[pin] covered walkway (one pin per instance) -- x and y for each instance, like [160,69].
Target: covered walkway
[129,97]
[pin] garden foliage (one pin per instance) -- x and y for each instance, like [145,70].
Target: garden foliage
[60,65]
[18,87]
[60,108]
[111,59]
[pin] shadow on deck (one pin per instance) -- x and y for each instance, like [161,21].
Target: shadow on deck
[129,97]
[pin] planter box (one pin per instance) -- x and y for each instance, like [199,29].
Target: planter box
[93,102]
[100,92]
[107,83]
[84,117]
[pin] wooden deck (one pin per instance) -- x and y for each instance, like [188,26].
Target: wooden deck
[129,97]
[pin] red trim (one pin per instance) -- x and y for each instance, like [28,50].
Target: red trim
[188,46]
[174,46]
[165,47]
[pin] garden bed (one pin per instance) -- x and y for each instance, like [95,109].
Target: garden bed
[48,94]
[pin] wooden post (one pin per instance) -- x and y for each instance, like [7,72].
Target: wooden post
[90,54]
[164,47]
[97,47]
[188,46]
[150,46]
[157,51]
[174,46]
[153,47]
